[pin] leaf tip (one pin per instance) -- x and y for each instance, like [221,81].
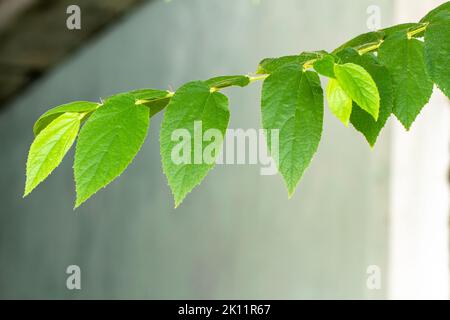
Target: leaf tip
[178,200]
[291,190]
[406,125]
[29,187]
[78,203]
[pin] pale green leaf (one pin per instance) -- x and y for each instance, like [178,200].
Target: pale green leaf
[359,85]
[360,119]
[49,148]
[292,102]
[339,102]
[107,144]
[52,114]
[193,110]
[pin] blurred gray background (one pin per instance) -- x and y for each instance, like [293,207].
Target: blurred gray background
[236,235]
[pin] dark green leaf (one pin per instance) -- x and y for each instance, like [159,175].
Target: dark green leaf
[404,59]
[325,66]
[404,27]
[292,102]
[373,36]
[155,100]
[149,94]
[445,7]
[437,51]
[227,81]
[270,65]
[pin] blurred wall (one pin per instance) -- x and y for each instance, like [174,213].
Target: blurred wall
[419,187]
[236,235]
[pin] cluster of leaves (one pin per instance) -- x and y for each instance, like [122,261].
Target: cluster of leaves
[390,71]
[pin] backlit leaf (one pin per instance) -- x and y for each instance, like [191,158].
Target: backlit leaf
[107,144]
[52,114]
[49,148]
[193,110]
[359,85]
[339,102]
[360,119]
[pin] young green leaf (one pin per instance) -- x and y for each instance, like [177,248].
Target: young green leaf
[292,102]
[193,109]
[404,59]
[339,102]
[325,66]
[437,51]
[228,81]
[359,85]
[52,114]
[360,119]
[107,144]
[49,148]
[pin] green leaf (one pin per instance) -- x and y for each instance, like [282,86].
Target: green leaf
[445,7]
[404,59]
[270,65]
[49,148]
[360,86]
[107,144]
[339,102]
[404,27]
[437,51]
[157,105]
[325,66]
[360,119]
[52,114]
[228,81]
[292,102]
[150,94]
[193,108]
[373,36]
[154,99]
